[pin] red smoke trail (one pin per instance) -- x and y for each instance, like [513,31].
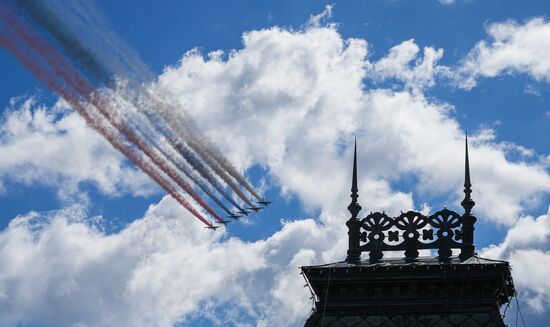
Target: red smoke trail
[195,161]
[169,117]
[153,154]
[85,89]
[208,152]
[77,49]
[62,69]
[215,153]
[219,170]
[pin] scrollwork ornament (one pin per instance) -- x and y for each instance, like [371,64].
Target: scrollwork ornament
[410,232]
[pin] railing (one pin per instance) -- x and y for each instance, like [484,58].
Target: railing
[411,231]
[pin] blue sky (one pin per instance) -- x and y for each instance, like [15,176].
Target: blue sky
[501,99]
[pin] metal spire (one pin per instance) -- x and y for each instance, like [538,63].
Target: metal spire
[354,188]
[354,224]
[467,203]
[354,207]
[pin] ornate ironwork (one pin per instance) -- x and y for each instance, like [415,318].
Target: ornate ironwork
[411,231]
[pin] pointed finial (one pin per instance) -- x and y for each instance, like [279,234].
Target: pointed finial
[467,203]
[467,183]
[354,224]
[354,177]
[354,207]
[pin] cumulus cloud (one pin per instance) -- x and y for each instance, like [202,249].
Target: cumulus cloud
[404,64]
[59,268]
[291,102]
[527,248]
[54,147]
[512,48]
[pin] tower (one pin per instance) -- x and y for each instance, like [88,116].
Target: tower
[456,287]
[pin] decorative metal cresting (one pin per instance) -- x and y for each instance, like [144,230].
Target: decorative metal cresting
[411,231]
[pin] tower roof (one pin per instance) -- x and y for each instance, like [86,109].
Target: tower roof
[411,231]
[411,290]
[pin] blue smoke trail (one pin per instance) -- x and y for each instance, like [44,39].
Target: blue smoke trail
[91,62]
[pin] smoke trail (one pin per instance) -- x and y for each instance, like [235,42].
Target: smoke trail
[191,157]
[152,153]
[70,44]
[90,18]
[195,162]
[74,47]
[62,71]
[106,45]
[145,105]
[173,156]
[211,150]
[203,145]
[168,136]
[216,154]
[196,179]
[7,41]
[166,112]
[103,106]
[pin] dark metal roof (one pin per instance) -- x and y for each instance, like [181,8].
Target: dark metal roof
[420,261]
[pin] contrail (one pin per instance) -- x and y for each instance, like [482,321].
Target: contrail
[99,102]
[64,71]
[25,58]
[189,155]
[152,153]
[167,113]
[83,14]
[164,123]
[41,15]
[87,15]
[177,160]
[179,157]
[211,150]
[74,47]
[77,50]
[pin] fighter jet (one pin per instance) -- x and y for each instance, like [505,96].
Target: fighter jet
[244,212]
[212,227]
[234,216]
[255,209]
[264,202]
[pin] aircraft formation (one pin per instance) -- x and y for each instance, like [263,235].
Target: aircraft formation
[68,46]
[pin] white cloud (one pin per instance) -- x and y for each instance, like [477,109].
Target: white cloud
[447,2]
[317,20]
[403,63]
[513,48]
[54,147]
[532,90]
[60,269]
[527,248]
[293,100]
[290,101]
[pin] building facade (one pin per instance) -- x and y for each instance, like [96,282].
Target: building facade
[452,287]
